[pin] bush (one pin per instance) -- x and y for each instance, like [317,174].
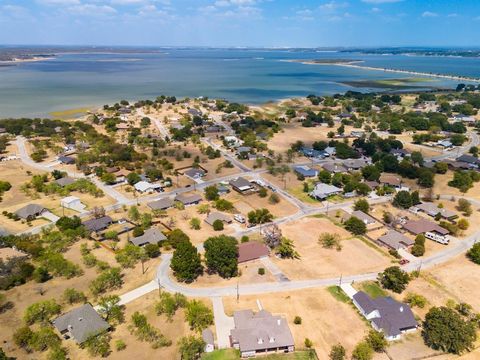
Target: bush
[376,340]
[198,315]
[474,253]
[274,199]
[363,351]
[308,343]
[297,320]
[465,207]
[463,224]
[415,300]
[152,250]
[329,241]
[146,332]
[362,205]
[191,347]
[261,271]
[394,278]
[73,296]
[195,223]
[98,345]
[41,311]
[120,345]
[355,226]
[262,192]
[138,231]
[337,352]
[168,304]
[218,225]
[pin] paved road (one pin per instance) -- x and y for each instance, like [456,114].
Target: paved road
[158,123]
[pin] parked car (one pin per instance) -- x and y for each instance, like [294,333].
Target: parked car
[240,218]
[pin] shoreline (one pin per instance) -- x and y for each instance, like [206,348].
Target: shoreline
[16,61]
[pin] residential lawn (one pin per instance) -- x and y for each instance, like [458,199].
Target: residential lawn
[372,289]
[232,354]
[338,293]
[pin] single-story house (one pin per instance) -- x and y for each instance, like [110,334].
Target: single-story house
[150,236]
[30,211]
[312,153]
[73,203]
[252,250]
[390,180]
[469,159]
[65,181]
[330,150]
[241,185]
[464,118]
[335,168]
[387,315]
[321,191]
[446,144]
[306,171]
[357,133]
[355,164]
[195,173]
[222,189]
[207,336]
[162,204]
[243,150]
[372,184]
[188,199]
[400,153]
[99,224]
[433,210]
[147,187]
[214,216]
[68,160]
[260,333]
[367,219]
[3,130]
[423,226]
[395,240]
[80,323]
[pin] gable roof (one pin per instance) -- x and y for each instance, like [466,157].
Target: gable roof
[468,159]
[161,204]
[305,171]
[29,211]
[150,236]
[322,190]
[214,216]
[334,168]
[241,184]
[98,224]
[81,322]
[194,172]
[252,250]
[187,199]
[143,186]
[367,219]
[390,179]
[422,226]
[432,210]
[65,181]
[394,240]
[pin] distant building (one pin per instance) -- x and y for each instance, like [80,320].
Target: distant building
[305,171]
[67,160]
[97,225]
[321,191]
[207,337]
[241,185]
[426,227]
[387,315]
[214,216]
[30,211]
[390,180]
[80,324]
[367,219]
[150,236]
[162,204]
[355,164]
[260,333]
[194,112]
[433,210]
[334,168]
[188,199]
[395,240]
[252,250]
[147,187]
[195,173]
[73,203]
[65,181]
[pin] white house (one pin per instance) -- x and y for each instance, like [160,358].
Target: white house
[73,203]
[145,186]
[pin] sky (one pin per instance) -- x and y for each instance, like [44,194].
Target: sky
[255,23]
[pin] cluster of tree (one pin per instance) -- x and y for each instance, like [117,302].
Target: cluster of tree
[393,278]
[418,248]
[144,331]
[405,200]
[259,216]
[221,256]
[464,180]
[355,226]
[186,261]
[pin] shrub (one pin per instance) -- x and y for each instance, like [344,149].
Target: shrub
[474,253]
[297,320]
[463,224]
[261,271]
[217,225]
[337,352]
[355,226]
[73,296]
[415,300]
[308,343]
[363,351]
[376,340]
[198,315]
[394,278]
[120,345]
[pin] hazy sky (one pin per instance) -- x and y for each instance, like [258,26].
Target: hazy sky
[295,23]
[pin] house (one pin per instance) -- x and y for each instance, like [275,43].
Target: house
[30,211]
[464,118]
[187,199]
[357,133]
[430,229]
[162,204]
[330,151]
[312,153]
[305,171]
[472,161]
[194,112]
[207,336]
[367,219]
[214,216]
[321,191]
[395,240]
[99,224]
[241,185]
[355,164]
[73,203]
[65,181]
[252,250]
[150,236]
[334,168]
[446,144]
[67,160]
[433,210]
[242,150]
[3,130]
[372,184]
[80,324]
[222,189]
[390,180]
[387,315]
[400,153]
[260,333]
[195,173]
[232,141]
[121,176]
[147,187]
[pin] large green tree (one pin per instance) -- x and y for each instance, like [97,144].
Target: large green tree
[221,255]
[394,278]
[186,263]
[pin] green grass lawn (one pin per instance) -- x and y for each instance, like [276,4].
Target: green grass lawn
[338,293]
[301,195]
[232,354]
[372,289]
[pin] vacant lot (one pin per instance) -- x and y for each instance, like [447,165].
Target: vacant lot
[317,262]
[325,320]
[441,187]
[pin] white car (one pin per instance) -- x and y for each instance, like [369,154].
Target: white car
[240,218]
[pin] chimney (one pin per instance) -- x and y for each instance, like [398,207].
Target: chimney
[401,308]
[279,321]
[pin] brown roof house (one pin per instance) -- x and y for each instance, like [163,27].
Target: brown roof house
[395,240]
[188,199]
[214,216]
[162,204]
[252,250]
[390,180]
[428,228]
[80,323]
[241,185]
[260,333]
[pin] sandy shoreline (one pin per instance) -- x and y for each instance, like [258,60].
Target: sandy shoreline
[15,61]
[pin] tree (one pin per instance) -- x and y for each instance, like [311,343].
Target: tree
[376,340]
[286,249]
[223,205]
[394,278]
[108,178]
[195,223]
[355,226]
[329,241]
[363,351]
[444,329]
[177,236]
[274,199]
[43,339]
[474,253]
[198,315]
[211,193]
[417,157]
[259,216]
[133,178]
[133,213]
[324,176]
[110,309]
[418,249]
[108,279]
[221,255]
[152,250]
[371,173]
[218,225]
[41,311]
[22,337]
[441,167]
[463,224]
[465,207]
[186,263]
[362,205]
[337,352]
[403,200]
[191,347]
[462,181]
[415,300]
[98,345]
[66,223]
[73,296]
[169,304]
[426,178]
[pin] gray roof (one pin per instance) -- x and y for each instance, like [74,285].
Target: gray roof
[432,210]
[150,236]
[334,168]
[30,210]
[81,322]
[65,181]
[322,191]
[241,184]
[187,199]
[66,159]
[194,172]
[98,224]
[213,216]
[161,204]
[355,164]
[395,240]
[367,219]
[468,159]
[394,317]
[260,331]
[207,336]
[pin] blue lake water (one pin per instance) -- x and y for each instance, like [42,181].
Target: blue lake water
[249,76]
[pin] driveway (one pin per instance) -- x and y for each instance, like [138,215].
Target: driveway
[223,323]
[274,269]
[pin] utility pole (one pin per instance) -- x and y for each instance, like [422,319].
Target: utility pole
[341,276]
[238,292]
[159,287]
